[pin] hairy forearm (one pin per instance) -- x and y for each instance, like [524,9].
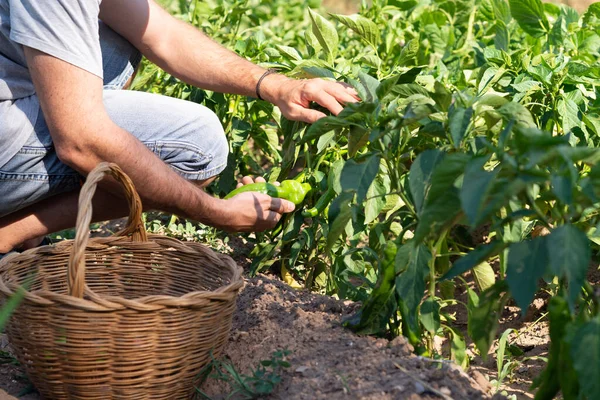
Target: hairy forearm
[193,57]
[159,186]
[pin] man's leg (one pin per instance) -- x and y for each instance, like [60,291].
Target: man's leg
[23,228]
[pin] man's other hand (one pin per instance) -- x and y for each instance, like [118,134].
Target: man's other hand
[293,96]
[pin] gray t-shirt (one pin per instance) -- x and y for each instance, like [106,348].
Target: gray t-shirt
[65,29]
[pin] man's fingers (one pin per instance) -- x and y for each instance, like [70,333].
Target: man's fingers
[350,90]
[246,180]
[343,94]
[281,206]
[328,101]
[306,115]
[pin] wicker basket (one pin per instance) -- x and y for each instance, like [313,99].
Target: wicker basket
[125,317]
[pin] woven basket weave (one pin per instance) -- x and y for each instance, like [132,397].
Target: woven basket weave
[126,317]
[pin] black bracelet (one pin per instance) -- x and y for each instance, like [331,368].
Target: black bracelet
[267,72]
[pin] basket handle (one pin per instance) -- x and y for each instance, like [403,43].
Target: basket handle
[134,227]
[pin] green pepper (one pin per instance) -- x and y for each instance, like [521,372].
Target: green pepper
[321,204]
[291,190]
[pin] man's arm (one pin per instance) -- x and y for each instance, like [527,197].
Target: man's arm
[188,54]
[84,135]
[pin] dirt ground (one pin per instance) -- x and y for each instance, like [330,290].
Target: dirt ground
[329,362]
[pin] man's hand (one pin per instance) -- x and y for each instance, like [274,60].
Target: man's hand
[293,97]
[251,211]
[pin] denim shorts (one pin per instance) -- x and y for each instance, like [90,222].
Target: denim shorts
[185,135]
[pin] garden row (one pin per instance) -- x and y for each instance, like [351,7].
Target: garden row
[476,116]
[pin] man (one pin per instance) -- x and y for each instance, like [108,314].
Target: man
[61,113]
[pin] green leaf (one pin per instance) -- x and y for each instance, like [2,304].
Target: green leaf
[526,86]
[312,42]
[518,113]
[484,275]
[420,174]
[490,77]
[459,119]
[483,314]
[364,27]
[369,85]
[501,11]
[335,175]
[260,253]
[530,16]
[386,86]
[562,187]
[442,204]
[430,315]
[314,71]
[435,36]
[379,307]
[409,53]
[292,229]
[403,5]
[358,177]
[290,52]
[527,262]
[412,261]
[585,353]
[458,349]
[477,184]
[340,213]
[358,137]
[321,127]
[442,96]
[502,348]
[593,11]
[324,141]
[502,38]
[569,255]
[474,258]
[569,112]
[325,33]
[11,304]
[375,200]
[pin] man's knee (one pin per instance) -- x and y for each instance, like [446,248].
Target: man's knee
[200,153]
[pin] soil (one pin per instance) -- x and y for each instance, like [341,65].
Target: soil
[329,362]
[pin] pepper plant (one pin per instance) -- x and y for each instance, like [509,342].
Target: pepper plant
[472,154]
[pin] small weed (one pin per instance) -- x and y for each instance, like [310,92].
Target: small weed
[67,234]
[173,226]
[261,382]
[7,358]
